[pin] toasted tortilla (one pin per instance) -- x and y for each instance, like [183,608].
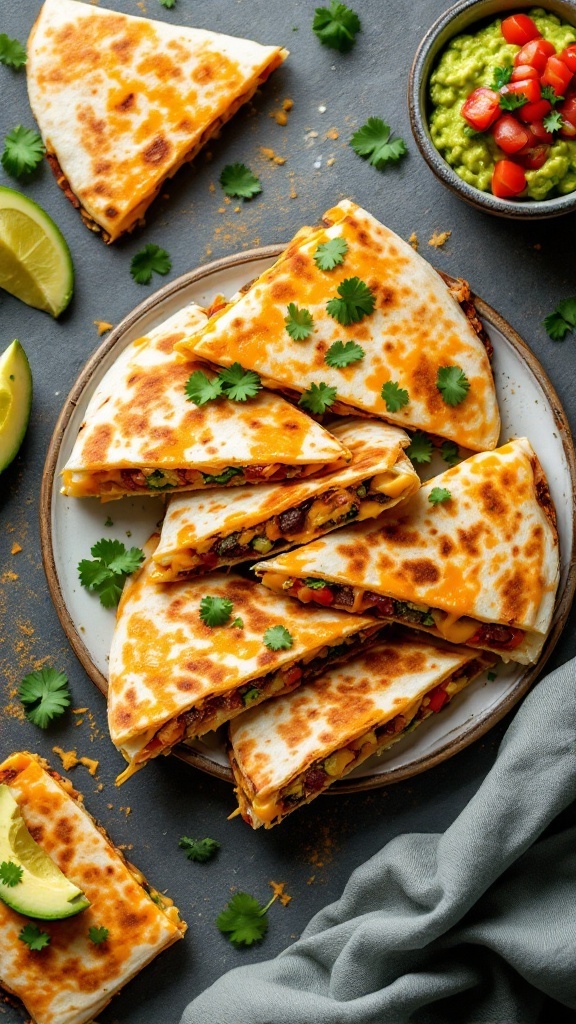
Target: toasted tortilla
[291,749]
[173,678]
[141,434]
[122,102]
[73,979]
[417,327]
[222,527]
[485,561]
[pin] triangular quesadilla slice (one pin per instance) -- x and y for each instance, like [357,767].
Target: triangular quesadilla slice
[353,307]
[190,655]
[203,531]
[472,557]
[122,102]
[287,752]
[142,435]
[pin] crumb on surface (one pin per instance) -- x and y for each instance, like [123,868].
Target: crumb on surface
[413,240]
[278,888]
[438,238]
[16,548]
[333,134]
[103,326]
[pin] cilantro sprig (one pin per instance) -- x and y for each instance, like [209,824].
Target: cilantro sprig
[394,396]
[150,260]
[340,355]
[98,934]
[561,320]
[10,873]
[355,301]
[336,26]
[234,383]
[420,447]
[108,569]
[243,920]
[169,4]
[23,151]
[299,322]
[12,53]
[502,76]
[331,253]
[453,384]
[552,121]
[438,495]
[239,181]
[313,584]
[450,453]
[215,611]
[34,938]
[200,850]
[512,100]
[318,398]
[547,93]
[372,142]
[277,638]
[45,695]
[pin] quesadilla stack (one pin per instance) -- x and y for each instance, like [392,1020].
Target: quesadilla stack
[472,557]
[205,531]
[123,102]
[73,977]
[353,307]
[174,676]
[290,750]
[142,435]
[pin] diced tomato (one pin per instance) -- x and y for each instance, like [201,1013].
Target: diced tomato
[519,29]
[535,53]
[509,134]
[524,71]
[539,134]
[568,110]
[481,108]
[567,131]
[527,87]
[384,605]
[438,698]
[508,179]
[535,111]
[557,74]
[209,560]
[323,596]
[533,157]
[292,676]
[504,638]
[569,57]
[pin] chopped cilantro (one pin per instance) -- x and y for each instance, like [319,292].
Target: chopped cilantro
[10,873]
[512,100]
[491,676]
[150,260]
[314,584]
[331,253]
[237,623]
[34,938]
[372,143]
[223,477]
[356,301]
[109,522]
[200,389]
[438,495]
[450,453]
[239,384]
[547,93]
[200,850]
[562,320]
[318,398]
[97,934]
[340,355]
[45,695]
[107,572]
[453,384]
[502,76]
[12,53]
[238,180]
[553,121]
[299,323]
[23,151]
[394,396]
[215,611]
[420,447]
[250,696]
[277,638]
[336,26]
[169,4]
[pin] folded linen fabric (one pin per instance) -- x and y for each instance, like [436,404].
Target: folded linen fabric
[474,925]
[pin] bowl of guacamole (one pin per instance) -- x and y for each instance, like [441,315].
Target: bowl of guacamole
[464,51]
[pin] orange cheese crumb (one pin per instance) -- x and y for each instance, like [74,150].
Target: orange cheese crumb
[278,890]
[413,240]
[90,764]
[287,104]
[70,759]
[16,548]
[333,133]
[103,326]
[439,238]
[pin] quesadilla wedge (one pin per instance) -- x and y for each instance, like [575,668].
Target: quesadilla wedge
[122,102]
[472,557]
[380,326]
[73,977]
[287,752]
[173,676]
[204,531]
[142,435]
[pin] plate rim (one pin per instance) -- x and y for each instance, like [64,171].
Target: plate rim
[470,732]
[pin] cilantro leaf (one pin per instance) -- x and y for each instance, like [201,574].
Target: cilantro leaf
[547,93]
[223,477]
[200,850]
[169,4]
[45,695]
[394,396]
[237,623]
[420,447]
[243,920]
[502,76]
[453,384]
[97,934]
[438,495]
[331,253]
[450,453]
[372,143]
[12,53]
[314,584]
[239,384]
[512,100]
[238,180]
[115,556]
[34,938]
[562,319]
[151,259]
[23,151]
[299,322]
[491,676]
[277,638]
[336,26]
[200,389]
[318,398]
[553,121]
[356,301]
[215,611]
[340,354]
[10,873]
[106,573]
[471,132]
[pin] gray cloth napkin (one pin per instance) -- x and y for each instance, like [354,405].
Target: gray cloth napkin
[477,924]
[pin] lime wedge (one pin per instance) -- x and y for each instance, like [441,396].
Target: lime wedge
[35,261]
[15,401]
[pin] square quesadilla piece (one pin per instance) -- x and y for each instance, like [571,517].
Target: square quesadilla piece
[142,435]
[223,527]
[122,102]
[383,329]
[472,557]
[289,750]
[73,978]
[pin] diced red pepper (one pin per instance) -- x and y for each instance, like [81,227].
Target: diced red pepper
[481,108]
[508,179]
[557,74]
[504,638]
[569,57]
[534,111]
[527,87]
[509,134]
[292,676]
[519,29]
[524,71]
[323,596]
[535,53]
[438,698]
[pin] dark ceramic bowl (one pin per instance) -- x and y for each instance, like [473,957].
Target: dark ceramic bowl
[453,22]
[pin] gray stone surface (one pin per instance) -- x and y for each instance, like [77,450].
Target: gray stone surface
[522,270]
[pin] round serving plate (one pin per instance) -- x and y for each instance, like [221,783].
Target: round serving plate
[529,407]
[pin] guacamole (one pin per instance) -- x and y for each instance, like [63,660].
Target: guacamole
[467,63]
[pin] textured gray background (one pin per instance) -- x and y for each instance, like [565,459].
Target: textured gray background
[522,270]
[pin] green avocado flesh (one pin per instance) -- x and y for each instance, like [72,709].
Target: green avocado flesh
[15,401]
[43,891]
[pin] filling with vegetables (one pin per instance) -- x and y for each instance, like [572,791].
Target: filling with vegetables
[114,483]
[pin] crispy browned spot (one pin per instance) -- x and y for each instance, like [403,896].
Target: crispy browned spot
[421,570]
[97,444]
[491,499]
[127,103]
[157,151]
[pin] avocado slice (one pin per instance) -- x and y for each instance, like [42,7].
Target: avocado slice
[43,891]
[15,401]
